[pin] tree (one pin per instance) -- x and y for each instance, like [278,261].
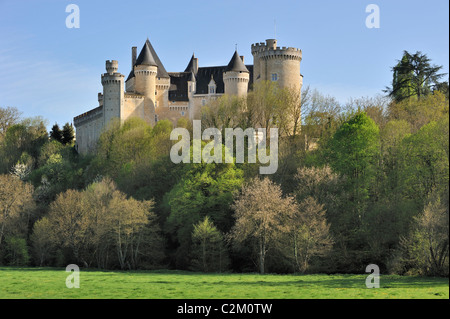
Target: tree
[68,134]
[327,188]
[204,189]
[209,253]
[353,152]
[16,251]
[375,107]
[128,219]
[414,76]
[8,117]
[426,249]
[94,225]
[262,215]
[320,117]
[309,232]
[56,133]
[226,112]
[42,242]
[420,112]
[28,136]
[16,202]
[425,167]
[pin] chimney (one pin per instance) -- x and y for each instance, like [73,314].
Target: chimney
[242,58]
[195,65]
[133,56]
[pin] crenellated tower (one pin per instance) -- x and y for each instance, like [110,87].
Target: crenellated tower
[272,63]
[113,92]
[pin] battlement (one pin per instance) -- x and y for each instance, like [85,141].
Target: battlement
[114,78]
[270,48]
[112,66]
[87,116]
[288,54]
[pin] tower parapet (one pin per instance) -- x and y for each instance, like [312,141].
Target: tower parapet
[274,63]
[112,66]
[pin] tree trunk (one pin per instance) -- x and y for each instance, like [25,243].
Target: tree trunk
[261,255]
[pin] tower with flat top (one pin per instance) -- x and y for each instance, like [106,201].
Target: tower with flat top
[280,64]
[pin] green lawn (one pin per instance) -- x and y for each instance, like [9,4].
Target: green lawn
[45,283]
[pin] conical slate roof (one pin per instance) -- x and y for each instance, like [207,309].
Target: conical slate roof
[146,57]
[162,73]
[236,64]
[190,66]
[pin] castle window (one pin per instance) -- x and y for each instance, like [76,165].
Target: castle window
[182,113]
[156,118]
[203,102]
[211,90]
[274,77]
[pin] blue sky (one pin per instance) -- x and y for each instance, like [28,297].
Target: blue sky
[49,70]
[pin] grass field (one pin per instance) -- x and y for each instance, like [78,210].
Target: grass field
[50,283]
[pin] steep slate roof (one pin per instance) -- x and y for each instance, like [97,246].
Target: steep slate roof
[236,64]
[145,57]
[162,73]
[204,77]
[178,90]
[190,66]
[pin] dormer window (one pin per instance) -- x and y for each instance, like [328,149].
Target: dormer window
[212,86]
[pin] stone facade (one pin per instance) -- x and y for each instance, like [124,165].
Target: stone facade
[153,94]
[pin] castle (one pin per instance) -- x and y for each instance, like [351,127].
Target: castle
[152,93]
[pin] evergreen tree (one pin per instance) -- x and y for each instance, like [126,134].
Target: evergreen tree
[414,76]
[67,134]
[56,133]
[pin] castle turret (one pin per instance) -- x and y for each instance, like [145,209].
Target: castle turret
[113,91]
[272,63]
[236,76]
[145,71]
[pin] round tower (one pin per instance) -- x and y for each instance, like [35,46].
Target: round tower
[113,92]
[146,80]
[145,71]
[236,77]
[272,63]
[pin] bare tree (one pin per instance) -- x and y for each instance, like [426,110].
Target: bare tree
[8,116]
[15,201]
[310,233]
[262,213]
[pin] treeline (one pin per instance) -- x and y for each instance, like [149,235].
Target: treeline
[357,184]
